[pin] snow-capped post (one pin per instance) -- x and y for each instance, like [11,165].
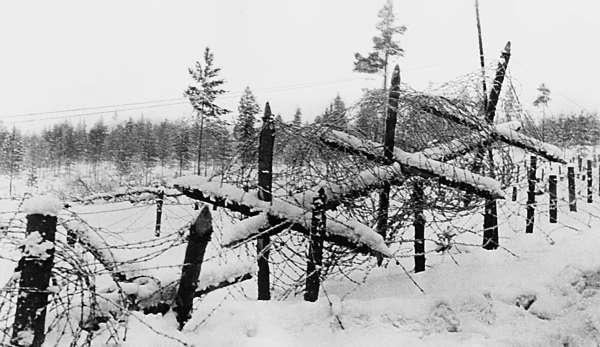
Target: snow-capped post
[589,182]
[388,152]
[419,224]
[490,217]
[315,247]
[200,234]
[553,202]
[265,180]
[514,194]
[571,183]
[531,195]
[159,207]
[36,268]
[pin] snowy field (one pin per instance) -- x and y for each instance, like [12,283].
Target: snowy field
[538,289]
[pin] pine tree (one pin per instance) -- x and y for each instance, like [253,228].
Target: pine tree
[370,117]
[181,146]
[97,144]
[337,114]
[69,146]
[124,146]
[202,95]
[81,139]
[385,46]
[297,122]
[164,142]
[12,156]
[542,101]
[148,149]
[244,131]
[34,154]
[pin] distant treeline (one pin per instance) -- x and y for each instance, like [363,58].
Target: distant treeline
[567,130]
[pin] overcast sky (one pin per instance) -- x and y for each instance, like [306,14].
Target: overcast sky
[76,54]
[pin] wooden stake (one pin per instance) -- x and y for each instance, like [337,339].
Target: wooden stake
[265,181]
[490,217]
[159,205]
[571,183]
[36,269]
[589,182]
[514,194]
[553,202]
[531,196]
[419,224]
[200,234]
[388,151]
[315,247]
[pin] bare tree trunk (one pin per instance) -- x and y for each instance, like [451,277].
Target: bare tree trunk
[199,172]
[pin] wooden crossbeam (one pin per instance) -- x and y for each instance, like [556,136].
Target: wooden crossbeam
[280,215]
[447,110]
[466,144]
[415,164]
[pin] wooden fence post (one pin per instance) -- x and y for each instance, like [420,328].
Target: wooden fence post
[200,234]
[571,183]
[514,194]
[580,163]
[553,201]
[419,224]
[490,217]
[159,206]
[589,182]
[531,196]
[265,181]
[315,247]
[36,269]
[388,152]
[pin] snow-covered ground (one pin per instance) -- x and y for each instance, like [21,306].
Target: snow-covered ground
[540,289]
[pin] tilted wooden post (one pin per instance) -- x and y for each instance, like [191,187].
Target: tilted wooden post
[388,152]
[571,184]
[200,234]
[36,268]
[315,247]
[159,206]
[419,224]
[553,202]
[265,181]
[490,217]
[531,196]
[589,182]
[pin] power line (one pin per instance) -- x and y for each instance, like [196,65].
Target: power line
[96,113]
[159,103]
[89,108]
